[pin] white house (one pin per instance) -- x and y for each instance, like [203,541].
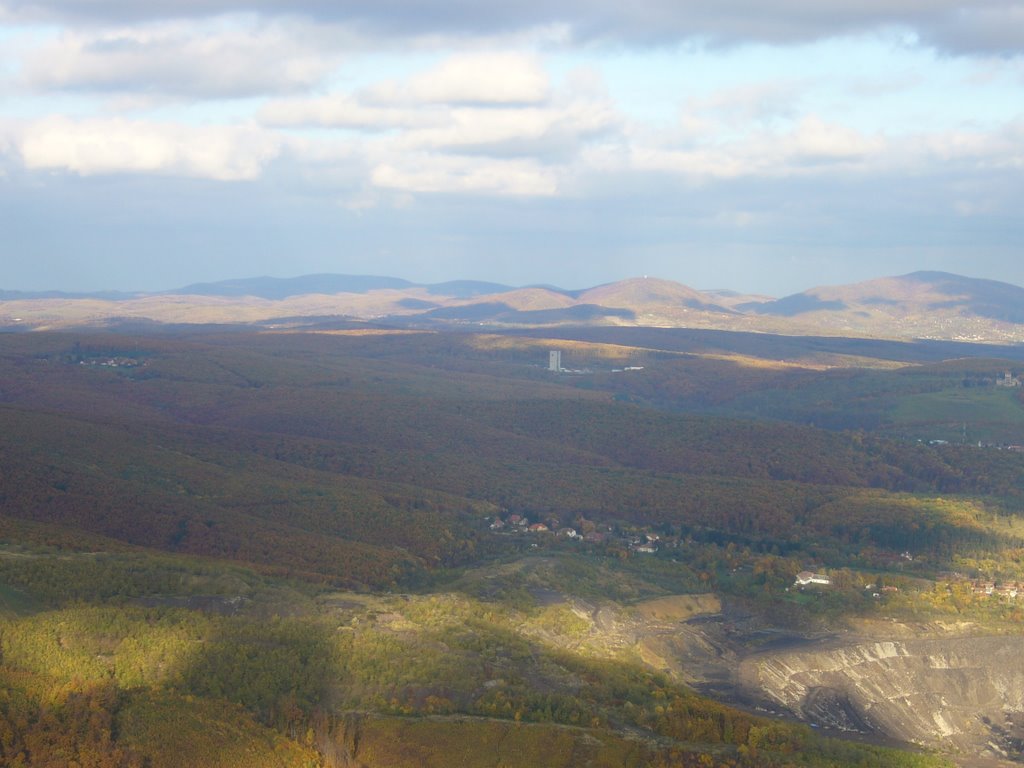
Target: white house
[807,577]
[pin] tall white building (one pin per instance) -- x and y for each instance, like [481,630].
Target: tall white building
[1008,380]
[554,360]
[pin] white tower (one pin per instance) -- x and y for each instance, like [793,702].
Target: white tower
[554,360]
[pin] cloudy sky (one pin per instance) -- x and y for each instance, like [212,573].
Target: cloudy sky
[764,147]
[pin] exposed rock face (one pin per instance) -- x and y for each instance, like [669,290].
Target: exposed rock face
[960,693]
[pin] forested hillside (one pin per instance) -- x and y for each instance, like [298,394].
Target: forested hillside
[177,513]
[340,461]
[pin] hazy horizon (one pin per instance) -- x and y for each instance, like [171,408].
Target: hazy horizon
[566,288]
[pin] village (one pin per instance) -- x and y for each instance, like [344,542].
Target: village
[640,541]
[1007,590]
[113,362]
[627,540]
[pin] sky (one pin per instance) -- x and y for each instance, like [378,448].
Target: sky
[763,148]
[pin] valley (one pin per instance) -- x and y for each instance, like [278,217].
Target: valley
[291,535]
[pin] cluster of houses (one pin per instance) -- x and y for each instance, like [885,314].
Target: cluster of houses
[520,524]
[1009,590]
[642,543]
[984,587]
[113,362]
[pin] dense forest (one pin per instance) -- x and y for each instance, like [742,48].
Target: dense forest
[292,538]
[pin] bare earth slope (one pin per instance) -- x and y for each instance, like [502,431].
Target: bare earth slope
[962,692]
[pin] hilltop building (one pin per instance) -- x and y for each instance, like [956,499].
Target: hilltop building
[554,360]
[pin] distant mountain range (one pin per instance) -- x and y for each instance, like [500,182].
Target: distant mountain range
[919,305]
[283,288]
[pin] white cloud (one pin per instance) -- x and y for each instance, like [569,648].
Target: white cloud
[446,174]
[815,140]
[227,57]
[570,142]
[346,111]
[696,164]
[1000,149]
[815,148]
[106,146]
[466,100]
[472,78]
[811,146]
[535,130]
[553,129]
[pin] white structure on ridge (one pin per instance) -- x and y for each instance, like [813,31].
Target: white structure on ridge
[554,360]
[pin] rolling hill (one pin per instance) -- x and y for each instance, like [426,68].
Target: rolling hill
[277,522]
[913,295]
[927,305]
[281,546]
